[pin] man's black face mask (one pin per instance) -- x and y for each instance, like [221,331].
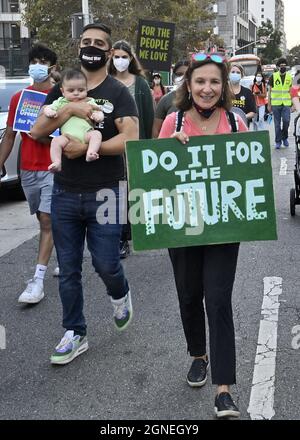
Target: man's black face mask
[282,69]
[92,58]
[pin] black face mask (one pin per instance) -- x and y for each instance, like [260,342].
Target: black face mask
[282,70]
[92,58]
[206,113]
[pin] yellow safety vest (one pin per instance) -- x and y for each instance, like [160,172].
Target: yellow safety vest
[280,93]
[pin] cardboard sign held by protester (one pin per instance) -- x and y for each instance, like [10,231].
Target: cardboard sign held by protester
[28,109]
[215,189]
[154,44]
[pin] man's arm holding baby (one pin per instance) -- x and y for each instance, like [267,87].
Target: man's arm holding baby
[45,125]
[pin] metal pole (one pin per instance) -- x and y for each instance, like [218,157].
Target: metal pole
[234,35]
[85,12]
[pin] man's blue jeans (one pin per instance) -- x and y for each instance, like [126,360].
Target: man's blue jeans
[74,218]
[281,112]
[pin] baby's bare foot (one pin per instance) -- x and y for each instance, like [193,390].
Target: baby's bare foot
[91,156]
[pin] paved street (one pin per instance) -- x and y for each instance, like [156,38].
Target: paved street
[140,374]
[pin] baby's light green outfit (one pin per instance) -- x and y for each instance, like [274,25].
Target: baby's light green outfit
[74,126]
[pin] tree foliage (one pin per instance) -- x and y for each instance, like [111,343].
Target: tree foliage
[294,56]
[272,51]
[191,18]
[50,21]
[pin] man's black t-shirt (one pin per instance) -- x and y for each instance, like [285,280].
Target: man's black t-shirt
[244,100]
[77,175]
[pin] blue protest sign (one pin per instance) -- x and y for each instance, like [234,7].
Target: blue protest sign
[28,109]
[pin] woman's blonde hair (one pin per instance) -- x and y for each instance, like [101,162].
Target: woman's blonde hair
[239,66]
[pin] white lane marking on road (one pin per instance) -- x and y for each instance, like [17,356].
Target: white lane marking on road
[296,338]
[261,405]
[283,166]
[2,338]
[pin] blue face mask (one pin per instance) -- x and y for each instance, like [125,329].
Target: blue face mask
[234,77]
[38,72]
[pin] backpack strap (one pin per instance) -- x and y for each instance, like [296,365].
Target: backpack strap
[232,117]
[179,121]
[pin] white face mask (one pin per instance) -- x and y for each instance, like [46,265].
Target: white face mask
[259,79]
[178,80]
[157,82]
[121,64]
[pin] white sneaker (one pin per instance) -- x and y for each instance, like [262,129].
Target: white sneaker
[69,348]
[122,311]
[33,293]
[56,272]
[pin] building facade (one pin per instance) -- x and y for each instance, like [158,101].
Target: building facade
[14,39]
[237,25]
[272,10]
[237,22]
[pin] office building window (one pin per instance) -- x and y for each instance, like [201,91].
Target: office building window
[10,35]
[14,6]
[15,34]
[222,8]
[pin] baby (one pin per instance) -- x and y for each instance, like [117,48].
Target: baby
[74,89]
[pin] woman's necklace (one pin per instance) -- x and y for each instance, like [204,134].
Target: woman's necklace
[204,127]
[236,89]
[206,124]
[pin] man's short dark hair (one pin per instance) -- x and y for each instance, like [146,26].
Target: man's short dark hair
[41,52]
[102,27]
[281,61]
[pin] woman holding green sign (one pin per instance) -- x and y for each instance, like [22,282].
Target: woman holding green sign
[204,103]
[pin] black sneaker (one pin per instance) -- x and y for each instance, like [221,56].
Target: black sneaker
[225,406]
[197,376]
[124,249]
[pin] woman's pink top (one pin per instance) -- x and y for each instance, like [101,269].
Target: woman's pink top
[295,90]
[168,126]
[157,93]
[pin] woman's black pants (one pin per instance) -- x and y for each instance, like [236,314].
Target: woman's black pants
[208,272]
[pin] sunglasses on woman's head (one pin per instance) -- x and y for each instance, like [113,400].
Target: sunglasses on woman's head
[204,56]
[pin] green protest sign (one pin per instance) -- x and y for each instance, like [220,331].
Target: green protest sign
[215,189]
